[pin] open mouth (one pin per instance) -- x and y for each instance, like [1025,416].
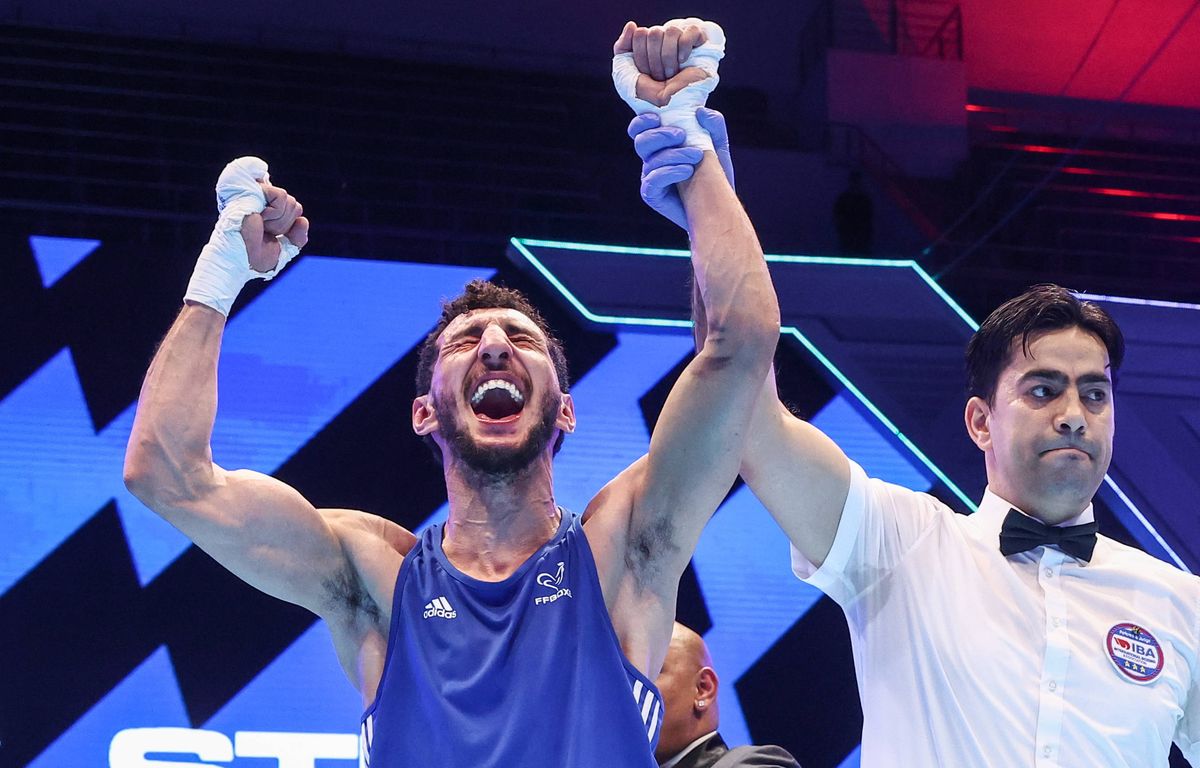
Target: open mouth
[497,400]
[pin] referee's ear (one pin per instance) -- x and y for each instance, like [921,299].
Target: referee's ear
[978,417]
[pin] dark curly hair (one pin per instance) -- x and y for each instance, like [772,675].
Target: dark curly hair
[1040,309]
[483,294]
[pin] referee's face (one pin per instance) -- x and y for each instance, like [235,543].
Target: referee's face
[1047,436]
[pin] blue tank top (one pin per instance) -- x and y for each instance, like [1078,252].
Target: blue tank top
[521,673]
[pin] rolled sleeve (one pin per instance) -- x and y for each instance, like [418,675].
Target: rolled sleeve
[1187,730]
[880,524]
[830,576]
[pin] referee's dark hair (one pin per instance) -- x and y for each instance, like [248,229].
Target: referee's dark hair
[1040,309]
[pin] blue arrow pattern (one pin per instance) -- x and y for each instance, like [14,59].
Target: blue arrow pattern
[291,362]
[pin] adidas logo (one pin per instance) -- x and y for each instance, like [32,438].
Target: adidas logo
[440,607]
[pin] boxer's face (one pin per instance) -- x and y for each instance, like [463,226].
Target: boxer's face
[1048,435]
[495,396]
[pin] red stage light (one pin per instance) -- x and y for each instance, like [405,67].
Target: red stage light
[1164,216]
[1119,192]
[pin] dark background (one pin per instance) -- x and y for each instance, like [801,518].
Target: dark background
[1002,143]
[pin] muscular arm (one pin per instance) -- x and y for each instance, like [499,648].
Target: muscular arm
[257,527]
[796,471]
[696,447]
[799,474]
[337,563]
[645,524]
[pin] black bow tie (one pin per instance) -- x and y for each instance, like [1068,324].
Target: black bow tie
[1021,533]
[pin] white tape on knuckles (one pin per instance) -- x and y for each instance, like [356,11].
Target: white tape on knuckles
[224,265]
[680,111]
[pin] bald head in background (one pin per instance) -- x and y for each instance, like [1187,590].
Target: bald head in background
[688,685]
[689,739]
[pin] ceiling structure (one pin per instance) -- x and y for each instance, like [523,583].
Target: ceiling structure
[1027,46]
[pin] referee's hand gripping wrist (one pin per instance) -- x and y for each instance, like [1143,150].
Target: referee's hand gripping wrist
[667,160]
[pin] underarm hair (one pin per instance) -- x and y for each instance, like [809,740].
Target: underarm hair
[345,590]
[647,548]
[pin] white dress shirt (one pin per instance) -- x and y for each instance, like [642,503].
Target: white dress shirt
[967,658]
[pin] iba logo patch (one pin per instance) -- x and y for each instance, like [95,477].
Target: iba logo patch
[1135,653]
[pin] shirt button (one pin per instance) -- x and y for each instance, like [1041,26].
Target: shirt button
[1046,751]
[1049,573]
[1053,686]
[1057,621]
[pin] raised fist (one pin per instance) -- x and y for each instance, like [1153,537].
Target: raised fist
[659,53]
[283,215]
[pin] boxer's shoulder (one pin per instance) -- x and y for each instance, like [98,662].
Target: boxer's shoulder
[374,549]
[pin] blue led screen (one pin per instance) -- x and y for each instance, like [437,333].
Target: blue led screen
[297,359]
[132,648]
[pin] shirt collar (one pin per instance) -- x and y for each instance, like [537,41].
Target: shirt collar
[686,750]
[995,507]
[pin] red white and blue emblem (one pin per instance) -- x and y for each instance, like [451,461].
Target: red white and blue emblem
[1135,653]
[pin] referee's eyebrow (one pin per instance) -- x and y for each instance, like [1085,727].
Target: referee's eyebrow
[1061,379]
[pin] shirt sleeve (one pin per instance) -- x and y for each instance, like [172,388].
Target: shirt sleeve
[1187,730]
[880,524]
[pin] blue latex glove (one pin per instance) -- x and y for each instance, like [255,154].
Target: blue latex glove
[666,162]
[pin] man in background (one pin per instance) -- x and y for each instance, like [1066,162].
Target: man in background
[688,684]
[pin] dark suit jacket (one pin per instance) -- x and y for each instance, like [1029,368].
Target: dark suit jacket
[714,754]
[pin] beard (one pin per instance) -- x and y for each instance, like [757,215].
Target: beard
[499,464]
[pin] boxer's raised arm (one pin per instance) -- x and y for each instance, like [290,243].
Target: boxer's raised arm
[259,528]
[696,446]
[797,472]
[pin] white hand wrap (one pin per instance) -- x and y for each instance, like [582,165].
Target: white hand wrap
[681,109]
[224,266]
